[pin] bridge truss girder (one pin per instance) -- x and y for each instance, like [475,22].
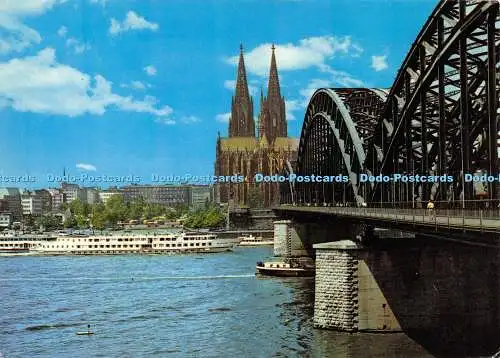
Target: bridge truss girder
[440,117]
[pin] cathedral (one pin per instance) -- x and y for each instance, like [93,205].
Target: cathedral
[245,152]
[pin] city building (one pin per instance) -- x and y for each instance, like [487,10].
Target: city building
[167,195]
[46,199]
[104,195]
[10,201]
[72,192]
[57,198]
[5,220]
[31,204]
[244,153]
[201,195]
[91,195]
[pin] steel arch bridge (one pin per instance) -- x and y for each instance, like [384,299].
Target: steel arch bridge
[440,117]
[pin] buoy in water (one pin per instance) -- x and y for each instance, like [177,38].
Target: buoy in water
[88,333]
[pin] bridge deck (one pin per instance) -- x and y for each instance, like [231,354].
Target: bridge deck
[415,217]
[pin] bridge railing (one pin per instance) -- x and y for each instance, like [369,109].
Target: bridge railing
[477,209]
[465,219]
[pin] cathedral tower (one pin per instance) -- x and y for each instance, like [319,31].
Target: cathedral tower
[241,123]
[272,121]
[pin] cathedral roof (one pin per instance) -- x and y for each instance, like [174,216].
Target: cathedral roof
[284,143]
[233,144]
[239,143]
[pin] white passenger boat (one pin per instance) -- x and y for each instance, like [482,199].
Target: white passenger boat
[157,243]
[251,240]
[19,244]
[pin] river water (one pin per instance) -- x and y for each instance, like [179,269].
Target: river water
[208,305]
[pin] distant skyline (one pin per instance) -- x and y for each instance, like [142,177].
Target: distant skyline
[129,87]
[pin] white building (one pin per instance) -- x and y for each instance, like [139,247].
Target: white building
[57,198]
[91,196]
[5,220]
[32,204]
[72,192]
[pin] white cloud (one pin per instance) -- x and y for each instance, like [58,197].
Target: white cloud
[223,117]
[77,46]
[63,30]
[100,2]
[150,70]
[138,85]
[88,167]
[40,84]
[15,36]
[379,63]
[166,121]
[231,85]
[340,78]
[190,119]
[337,79]
[309,52]
[27,7]
[132,22]
[290,107]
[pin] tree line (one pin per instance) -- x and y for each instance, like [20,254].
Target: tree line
[107,215]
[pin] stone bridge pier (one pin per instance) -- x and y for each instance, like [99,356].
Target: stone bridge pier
[444,295]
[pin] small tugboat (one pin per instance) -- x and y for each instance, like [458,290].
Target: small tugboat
[283,269]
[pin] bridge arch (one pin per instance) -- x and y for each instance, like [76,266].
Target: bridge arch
[441,117]
[337,125]
[444,107]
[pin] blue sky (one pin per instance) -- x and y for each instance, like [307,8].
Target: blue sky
[117,87]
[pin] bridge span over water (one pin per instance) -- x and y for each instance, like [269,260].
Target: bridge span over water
[440,118]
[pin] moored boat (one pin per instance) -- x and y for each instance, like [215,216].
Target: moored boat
[19,244]
[157,243]
[251,240]
[283,269]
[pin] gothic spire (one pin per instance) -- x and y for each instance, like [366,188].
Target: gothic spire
[273,122]
[273,88]
[241,80]
[241,123]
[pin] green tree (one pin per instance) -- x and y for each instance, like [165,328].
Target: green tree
[48,222]
[98,216]
[116,209]
[29,222]
[135,209]
[71,222]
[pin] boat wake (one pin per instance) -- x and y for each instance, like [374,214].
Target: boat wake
[130,278]
[52,326]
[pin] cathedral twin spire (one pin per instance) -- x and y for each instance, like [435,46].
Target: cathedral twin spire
[241,123]
[272,121]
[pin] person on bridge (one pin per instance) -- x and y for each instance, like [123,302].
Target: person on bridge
[430,208]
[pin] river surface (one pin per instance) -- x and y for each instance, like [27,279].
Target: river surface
[208,305]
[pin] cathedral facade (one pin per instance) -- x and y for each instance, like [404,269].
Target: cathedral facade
[247,153]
